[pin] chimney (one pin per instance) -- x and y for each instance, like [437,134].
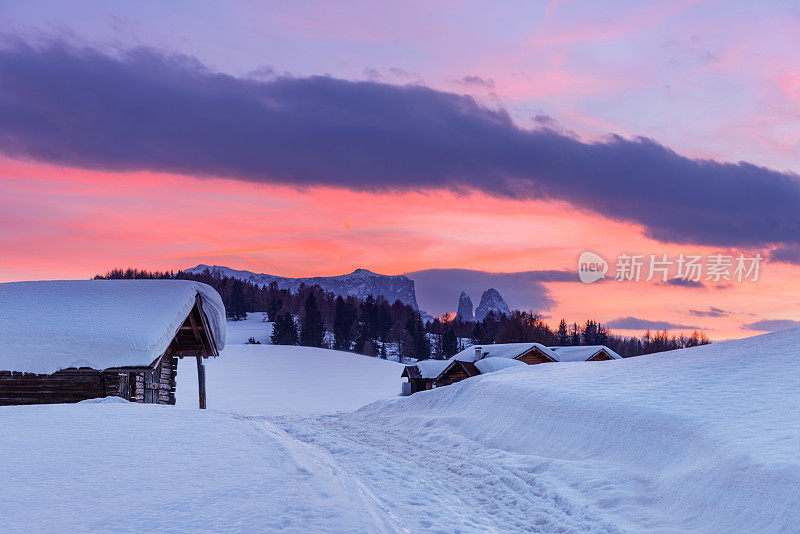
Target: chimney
[478,353]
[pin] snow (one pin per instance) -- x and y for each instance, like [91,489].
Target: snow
[492,364]
[499,350]
[52,325]
[279,379]
[254,326]
[581,353]
[133,468]
[431,368]
[698,440]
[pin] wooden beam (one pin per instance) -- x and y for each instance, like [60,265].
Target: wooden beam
[201,381]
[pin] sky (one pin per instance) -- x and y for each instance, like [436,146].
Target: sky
[466,144]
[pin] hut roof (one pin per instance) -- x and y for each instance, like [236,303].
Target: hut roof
[468,367]
[500,350]
[431,368]
[490,365]
[47,326]
[581,353]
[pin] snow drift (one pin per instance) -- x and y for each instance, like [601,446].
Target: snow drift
[704,439]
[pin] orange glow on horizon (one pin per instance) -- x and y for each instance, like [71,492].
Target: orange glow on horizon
[70,223]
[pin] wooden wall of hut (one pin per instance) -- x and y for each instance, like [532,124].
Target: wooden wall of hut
[152,385]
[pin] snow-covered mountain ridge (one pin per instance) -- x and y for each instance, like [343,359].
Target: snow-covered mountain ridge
[360,283]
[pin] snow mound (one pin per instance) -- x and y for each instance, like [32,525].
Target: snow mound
[704,439]
[47,326]
[490,365]
[279,379]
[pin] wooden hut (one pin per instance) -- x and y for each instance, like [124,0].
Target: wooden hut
[420,377]
[530,353]
[456,372]
[68,341]
[584,353]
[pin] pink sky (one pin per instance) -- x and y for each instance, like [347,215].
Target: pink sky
[709,79]
[160,221]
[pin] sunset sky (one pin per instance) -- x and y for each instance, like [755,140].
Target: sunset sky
[314,138]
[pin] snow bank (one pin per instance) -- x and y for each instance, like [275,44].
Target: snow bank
[133,468]
[280,379]
[47,326]
[705,439]
[490,365]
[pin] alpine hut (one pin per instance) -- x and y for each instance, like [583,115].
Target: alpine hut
[68,341]
[482,359]
[584,353]
[420,376]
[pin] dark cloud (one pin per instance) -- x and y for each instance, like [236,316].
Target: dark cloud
[635,323]
[372,74]
[772,325]
[680,282]
[477,81]
[438,289]
[544,120]
[786,254]
[144,110]
[711,312]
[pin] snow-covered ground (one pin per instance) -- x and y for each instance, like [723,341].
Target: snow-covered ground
[122,467]
[255,326]
[700,440]
[278,379]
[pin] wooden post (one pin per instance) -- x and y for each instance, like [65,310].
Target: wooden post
[201,381]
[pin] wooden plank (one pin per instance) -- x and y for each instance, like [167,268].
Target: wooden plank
[201,382]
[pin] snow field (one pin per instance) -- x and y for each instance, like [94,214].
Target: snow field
[699,440]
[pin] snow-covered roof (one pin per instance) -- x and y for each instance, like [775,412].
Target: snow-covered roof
[581,353]
[499,350]
[431,368]
[490,365]
[47,326]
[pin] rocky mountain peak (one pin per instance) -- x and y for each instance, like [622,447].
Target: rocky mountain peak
[491,301]
[464,307]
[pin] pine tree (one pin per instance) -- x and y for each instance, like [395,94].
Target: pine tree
[563,333]
[312,332]
[237,308]
[343,318]
[284,331]
[449,343]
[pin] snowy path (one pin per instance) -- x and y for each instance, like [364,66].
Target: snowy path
[433,481]
[120,467]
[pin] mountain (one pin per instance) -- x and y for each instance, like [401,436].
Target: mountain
[491,301]
[464,308]
[359,283]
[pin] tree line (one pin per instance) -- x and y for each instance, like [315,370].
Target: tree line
[316,318]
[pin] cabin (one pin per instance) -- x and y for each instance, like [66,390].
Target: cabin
[529,353]
[482,359]
[584,353]
[69,341]
[456,372]
[420,377]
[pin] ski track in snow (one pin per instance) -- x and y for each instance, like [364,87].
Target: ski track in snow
[432,481]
